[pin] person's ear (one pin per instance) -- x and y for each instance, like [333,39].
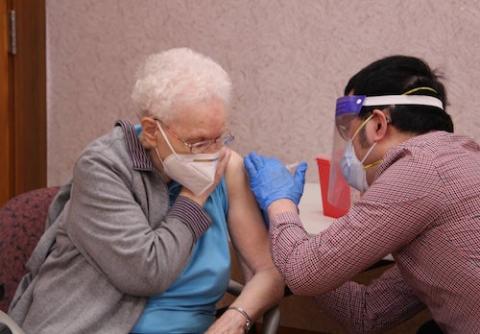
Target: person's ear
[380,123]
[149,132]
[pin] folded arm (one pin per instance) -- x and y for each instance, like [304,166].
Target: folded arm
[109,227]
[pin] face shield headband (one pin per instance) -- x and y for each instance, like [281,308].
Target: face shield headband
[352,104]
[347,109]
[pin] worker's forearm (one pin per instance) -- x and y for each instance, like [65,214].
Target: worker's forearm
[281,206]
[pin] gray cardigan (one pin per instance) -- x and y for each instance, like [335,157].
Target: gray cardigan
[112,241]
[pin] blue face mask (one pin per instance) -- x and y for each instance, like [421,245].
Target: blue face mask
[352,168]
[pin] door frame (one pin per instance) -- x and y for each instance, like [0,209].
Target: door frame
[6,99]
[23,126]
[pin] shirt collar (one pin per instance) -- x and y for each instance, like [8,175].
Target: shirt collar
[140,158]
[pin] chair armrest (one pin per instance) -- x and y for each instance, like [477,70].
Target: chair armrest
[6,320]
[271,320]
[234,288]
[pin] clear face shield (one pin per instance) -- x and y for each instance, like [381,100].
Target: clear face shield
[347,110]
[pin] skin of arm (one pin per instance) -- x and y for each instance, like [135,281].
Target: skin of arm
[250,239]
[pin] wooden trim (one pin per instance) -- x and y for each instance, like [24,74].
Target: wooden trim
[29,63]
[6,159]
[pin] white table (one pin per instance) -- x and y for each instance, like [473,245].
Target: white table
[311,212]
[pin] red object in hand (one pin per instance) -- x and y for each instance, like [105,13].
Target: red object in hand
[342,205]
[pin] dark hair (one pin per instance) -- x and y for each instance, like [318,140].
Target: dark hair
[396,75]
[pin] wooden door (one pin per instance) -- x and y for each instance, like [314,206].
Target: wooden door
[22,97]
[6,176]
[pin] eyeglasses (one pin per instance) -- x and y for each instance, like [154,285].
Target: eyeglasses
[204,145]
[209,144]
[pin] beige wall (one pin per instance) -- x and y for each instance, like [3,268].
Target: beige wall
[289,60]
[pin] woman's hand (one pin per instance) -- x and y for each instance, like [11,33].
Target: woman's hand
[230,322]
[221,166]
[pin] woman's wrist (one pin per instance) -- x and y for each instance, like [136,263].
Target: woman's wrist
[242,315]
[199,199]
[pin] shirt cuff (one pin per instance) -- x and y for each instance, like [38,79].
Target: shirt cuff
[191,214]
[286,217]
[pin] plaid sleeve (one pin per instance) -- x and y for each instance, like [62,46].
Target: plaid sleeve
[401,203]
[386,302]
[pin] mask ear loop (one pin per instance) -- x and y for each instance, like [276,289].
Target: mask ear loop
[419,89]
[165,137]
[371,148]
[366,154]
[373,164]
[168,143]
[361,126]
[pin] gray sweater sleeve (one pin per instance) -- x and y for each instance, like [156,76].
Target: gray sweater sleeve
[110,229]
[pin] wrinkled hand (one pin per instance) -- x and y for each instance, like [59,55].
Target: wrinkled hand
[224,157]
[228,323]
[270,180]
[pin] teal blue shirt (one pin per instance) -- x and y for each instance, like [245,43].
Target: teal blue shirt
[188,305]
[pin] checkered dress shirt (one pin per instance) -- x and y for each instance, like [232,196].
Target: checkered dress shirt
[424,208]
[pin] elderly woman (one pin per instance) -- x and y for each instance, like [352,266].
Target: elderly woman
[139,241]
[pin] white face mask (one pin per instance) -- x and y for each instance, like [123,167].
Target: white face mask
[195,172]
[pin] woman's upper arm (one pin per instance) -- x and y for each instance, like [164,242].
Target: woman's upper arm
[245,221]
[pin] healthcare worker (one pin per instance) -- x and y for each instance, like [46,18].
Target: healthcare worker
[420,202]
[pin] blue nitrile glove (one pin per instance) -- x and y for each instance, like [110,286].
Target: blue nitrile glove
[270,180]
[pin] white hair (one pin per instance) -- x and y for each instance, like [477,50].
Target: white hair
[175,77]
